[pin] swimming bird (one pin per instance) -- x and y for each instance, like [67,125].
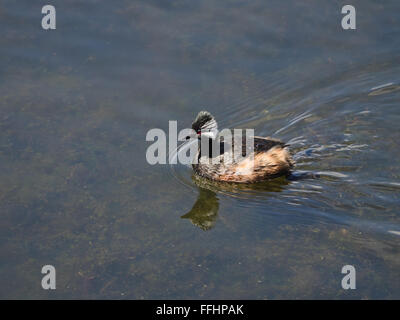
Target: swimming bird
[269,159]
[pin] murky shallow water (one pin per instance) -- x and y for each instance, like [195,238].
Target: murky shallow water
[76,190]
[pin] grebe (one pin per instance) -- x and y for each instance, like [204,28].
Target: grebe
[271,156]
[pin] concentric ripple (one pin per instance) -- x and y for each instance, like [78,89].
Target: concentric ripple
[327,124]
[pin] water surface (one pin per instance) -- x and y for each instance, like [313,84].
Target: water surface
[76,191]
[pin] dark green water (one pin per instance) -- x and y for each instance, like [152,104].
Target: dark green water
[76,191]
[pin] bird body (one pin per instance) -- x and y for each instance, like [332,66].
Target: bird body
[269,158]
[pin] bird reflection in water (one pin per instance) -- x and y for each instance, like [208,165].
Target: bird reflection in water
[204,212]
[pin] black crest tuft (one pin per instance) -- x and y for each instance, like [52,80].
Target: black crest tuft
[203,120]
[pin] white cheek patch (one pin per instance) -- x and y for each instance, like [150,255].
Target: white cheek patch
[209,134]
[210,129]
